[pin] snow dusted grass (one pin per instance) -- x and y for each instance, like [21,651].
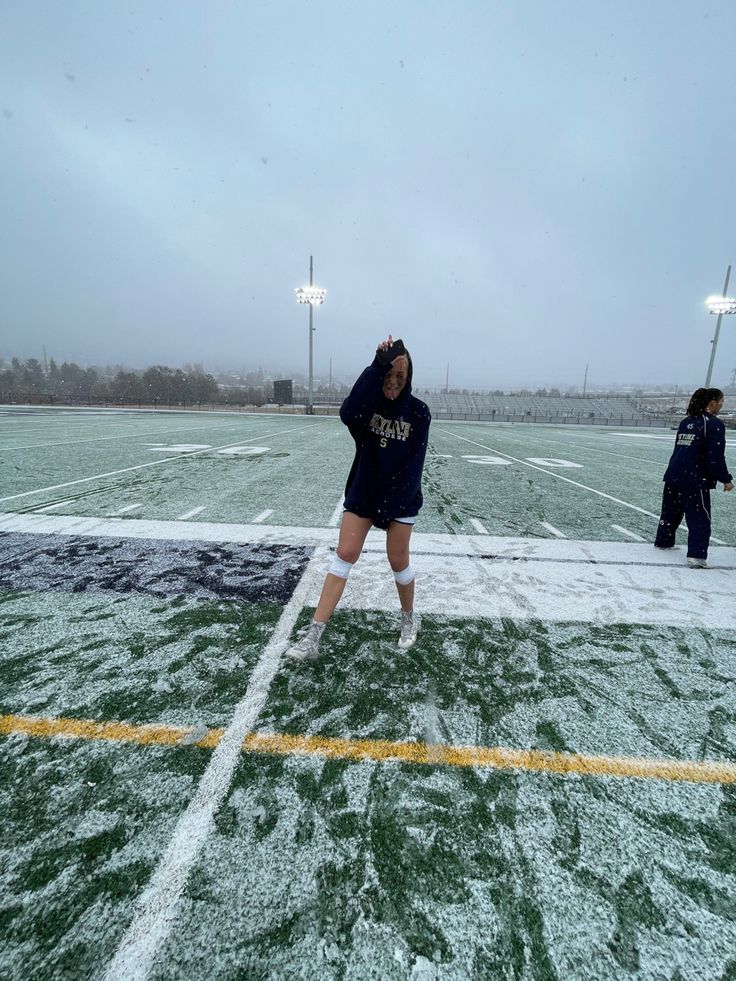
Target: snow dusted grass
[332,869]
[83,827]
[128,658]
[329,869]
[617,689]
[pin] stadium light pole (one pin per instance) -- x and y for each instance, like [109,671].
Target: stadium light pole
[718,305]
[312,295]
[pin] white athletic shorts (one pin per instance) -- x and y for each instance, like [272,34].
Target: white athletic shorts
[402,521]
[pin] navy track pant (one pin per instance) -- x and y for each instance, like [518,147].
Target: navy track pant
[694,504]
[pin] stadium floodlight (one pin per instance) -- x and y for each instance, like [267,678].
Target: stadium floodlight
[310,294]
[313,296]
[719,305]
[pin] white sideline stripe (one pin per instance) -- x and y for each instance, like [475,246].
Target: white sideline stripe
[629,534]
[552,530]
[479,526]
[332,523]
[717,540]
[481,588]
[551,473]
[156,908]
[153,463]
[260,518]
[50,507]
[128,507]
[503,548]
[190,514]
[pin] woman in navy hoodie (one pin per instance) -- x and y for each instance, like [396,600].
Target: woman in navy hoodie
[390,428]
[695,467]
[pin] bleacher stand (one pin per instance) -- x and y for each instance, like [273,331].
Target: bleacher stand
[592,410]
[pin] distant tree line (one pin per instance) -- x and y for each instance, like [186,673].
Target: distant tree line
[30,380]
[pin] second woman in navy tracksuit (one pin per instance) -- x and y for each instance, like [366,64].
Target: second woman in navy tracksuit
[696,466]
[390,428]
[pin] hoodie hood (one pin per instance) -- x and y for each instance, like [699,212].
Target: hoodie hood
[394,407]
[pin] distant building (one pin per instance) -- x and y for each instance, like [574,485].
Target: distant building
[283,392]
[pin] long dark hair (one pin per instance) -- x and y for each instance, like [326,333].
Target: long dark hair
[702,397]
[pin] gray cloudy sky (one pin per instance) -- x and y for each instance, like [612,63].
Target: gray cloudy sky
[516,188]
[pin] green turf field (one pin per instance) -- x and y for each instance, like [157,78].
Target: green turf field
[543,787]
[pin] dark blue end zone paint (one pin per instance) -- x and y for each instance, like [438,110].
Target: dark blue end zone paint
[195,570]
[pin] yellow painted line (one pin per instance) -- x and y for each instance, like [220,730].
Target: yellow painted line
[154,735]
[383,751]
[494,757]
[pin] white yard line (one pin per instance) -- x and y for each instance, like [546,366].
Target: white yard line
[260,518]
[156,909]
[629,534]
[552,530]
[128,507]
[479,526]
[550,473]
[190,514]
[153,463]
[336,514]
[717,540]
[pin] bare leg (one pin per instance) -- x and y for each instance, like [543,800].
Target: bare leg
[397,549]
[353,532]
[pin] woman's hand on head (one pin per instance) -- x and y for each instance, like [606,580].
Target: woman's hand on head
[385,345]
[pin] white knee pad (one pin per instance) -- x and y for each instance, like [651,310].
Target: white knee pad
[404,577]
[339,567]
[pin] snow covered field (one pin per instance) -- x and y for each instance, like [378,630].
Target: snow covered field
[545,786]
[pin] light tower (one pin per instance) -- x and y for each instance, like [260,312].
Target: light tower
[312,295]
[718,305]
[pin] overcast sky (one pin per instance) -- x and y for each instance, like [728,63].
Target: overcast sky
[515,188]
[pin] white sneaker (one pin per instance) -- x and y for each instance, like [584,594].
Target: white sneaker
[307,648]
[409,630]
[696,563]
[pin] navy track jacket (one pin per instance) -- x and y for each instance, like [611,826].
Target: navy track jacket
[699,459]
[385,480]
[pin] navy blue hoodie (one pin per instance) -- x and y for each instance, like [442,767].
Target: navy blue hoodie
[385,480]
[699,458]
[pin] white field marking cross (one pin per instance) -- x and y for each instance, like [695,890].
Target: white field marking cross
[552,530]
[629,534]
[128,507]
[190,514]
